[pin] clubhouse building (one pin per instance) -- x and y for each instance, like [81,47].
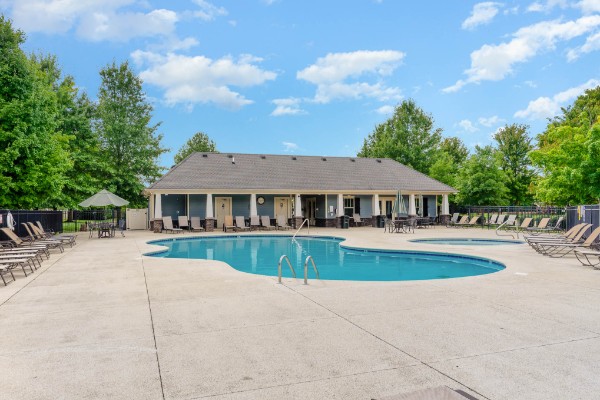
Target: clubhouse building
[320,189]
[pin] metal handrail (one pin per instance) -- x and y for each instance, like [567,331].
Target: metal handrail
[306,269]
[279,267]
[301,225]
[508,234]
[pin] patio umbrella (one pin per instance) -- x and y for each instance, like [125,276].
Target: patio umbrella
[104,198]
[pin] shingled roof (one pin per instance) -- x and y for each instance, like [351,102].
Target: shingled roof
[243,172]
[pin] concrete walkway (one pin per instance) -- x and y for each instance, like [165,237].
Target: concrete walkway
[103,321]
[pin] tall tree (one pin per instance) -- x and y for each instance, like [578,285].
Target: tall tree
[130,143]
[514,145]
[568,154]
[455,148]
[407,137]
[34,157]
[199,142]
[481,181]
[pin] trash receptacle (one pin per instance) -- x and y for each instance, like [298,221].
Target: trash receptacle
[381,221]
[345,222]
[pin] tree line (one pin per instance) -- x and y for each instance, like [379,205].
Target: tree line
[560,166]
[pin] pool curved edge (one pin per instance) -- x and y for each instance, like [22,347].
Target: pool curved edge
[497,265]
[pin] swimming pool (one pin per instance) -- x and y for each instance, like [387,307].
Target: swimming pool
[467,241]
[259,254]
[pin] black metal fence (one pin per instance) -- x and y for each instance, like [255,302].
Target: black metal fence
[578,214]
[52,220]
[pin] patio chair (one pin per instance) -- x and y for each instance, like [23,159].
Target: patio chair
[254,222]
[462,221]
[41,239]
[168,226]
[4,269]
[182,221]
[18,242]
[195,224]
[266,223]
[240,223]
[491,220]
[8,253]
[282,222]
[569,235]
[523,226]
[555,228]
[542,225]
[560,249]
[228,223]
[472,222]
[356,219]
[15,263]
[500,220]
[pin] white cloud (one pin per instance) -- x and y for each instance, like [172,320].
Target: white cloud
[482,13]
[289,147]
[546,6]
[490,121]
[289,106]
[332,73]
[208,11]
[495,62]
[592,43]
[531,84]
[198,79]
[545,107]
[467,126]
[588,6]
[385,110]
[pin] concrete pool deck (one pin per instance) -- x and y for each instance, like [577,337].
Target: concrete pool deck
[103,321]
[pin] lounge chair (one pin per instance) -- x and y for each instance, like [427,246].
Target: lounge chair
[228,223]
[569,235]
[254,222]
[240,224]
[471,222]
[590,258]
[523,226]
[453,220]
[19,243]
[561,249]
[555,228]
[71,239]
[41,234]
[4,269]
[195,224]
[500,220]
[492,220]
[7,254]
[182,221]
[168,226]
[462,221]
[282,222]
[266,222]
[41,239]
[356,219]
[510,221]
[8,266]
[574,237]
[542,225]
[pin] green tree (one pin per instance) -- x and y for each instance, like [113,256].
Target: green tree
[199,142]
[481,181]
[130,143]
[407,137]
[514,145]
[34,157]
[455,148]
[568,154]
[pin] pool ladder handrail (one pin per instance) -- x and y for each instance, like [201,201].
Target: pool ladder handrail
[307,222]
[284,257]
[507,234]
[306,269]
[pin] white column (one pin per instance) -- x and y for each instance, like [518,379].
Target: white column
[376,210]
[253,211]
[209,206]
[412,209]
[340,205]
[445,205]
[157,206]
[151,207]
[187,206]
[297,206]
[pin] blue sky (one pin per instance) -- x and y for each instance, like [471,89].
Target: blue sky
[315,77]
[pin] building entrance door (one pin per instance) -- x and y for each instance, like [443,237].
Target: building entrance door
[386,206]
[282,207]
[222,209]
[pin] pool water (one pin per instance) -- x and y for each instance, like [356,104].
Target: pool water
[259,254]
[468,242]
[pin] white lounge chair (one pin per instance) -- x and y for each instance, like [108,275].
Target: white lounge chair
[168,226]
[282,222]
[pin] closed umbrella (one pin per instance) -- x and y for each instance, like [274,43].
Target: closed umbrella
[104,198]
